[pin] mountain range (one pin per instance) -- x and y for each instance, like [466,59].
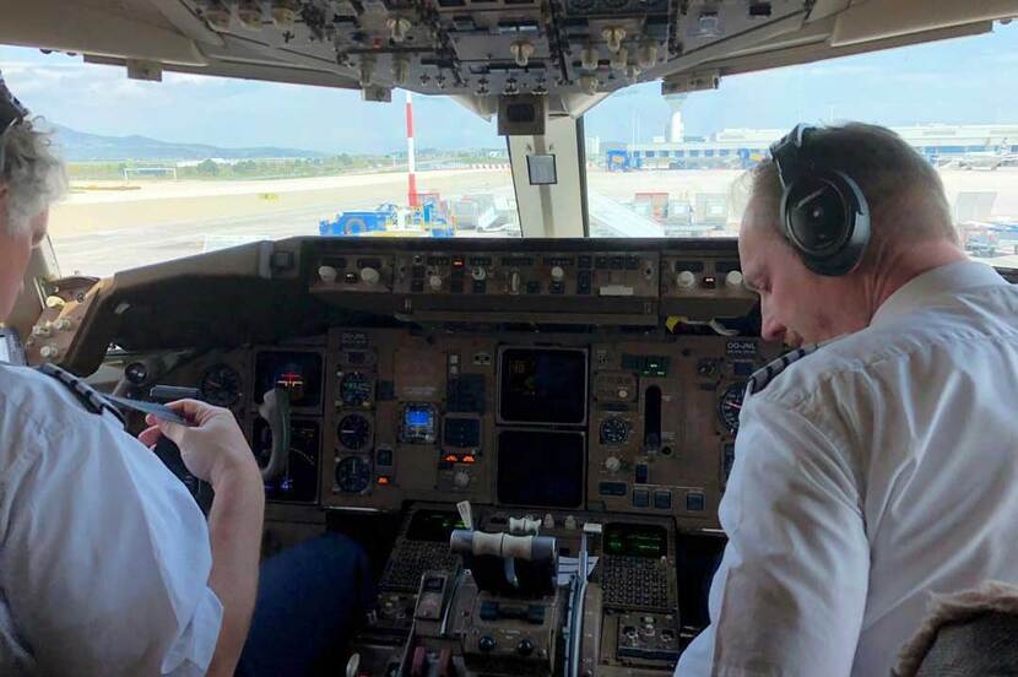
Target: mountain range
[78,146]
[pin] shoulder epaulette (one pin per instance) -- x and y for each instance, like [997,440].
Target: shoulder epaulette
[89,397]
[762,377]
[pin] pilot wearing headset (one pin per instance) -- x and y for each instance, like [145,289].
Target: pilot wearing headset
[875,464]
[107,565]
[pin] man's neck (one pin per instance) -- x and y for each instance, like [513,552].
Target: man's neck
[895,270]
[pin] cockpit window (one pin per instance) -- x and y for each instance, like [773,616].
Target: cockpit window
[163,170]
[670,166]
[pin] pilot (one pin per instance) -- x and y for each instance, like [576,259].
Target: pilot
[875,464]
[107,565]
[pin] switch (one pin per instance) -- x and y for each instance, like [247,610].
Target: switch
[370,275]
[685,280]
[733,279]
[663,500]
[514,283]
[525,647]
[641,473]
[641,498]
[487,644]
[695,501]
[328,274]
[570,523]
[435,282]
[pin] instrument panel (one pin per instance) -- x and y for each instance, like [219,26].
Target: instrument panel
[578,375]
[382,416]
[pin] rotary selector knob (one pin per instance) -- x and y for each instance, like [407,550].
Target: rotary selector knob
[479,274]
[461,479]
[49,352]
[63,324]
[685,279]
[734,279]
[487,644]
[42,330]
[370,275]
[327,273]
[612,464]
[435,282]
[557,274]
[525,647]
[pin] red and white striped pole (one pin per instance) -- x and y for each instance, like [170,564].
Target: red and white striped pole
[412,199]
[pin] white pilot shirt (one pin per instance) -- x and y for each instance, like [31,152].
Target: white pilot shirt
[104,557]
[879,469]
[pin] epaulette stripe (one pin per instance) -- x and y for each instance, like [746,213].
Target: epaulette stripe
[762,377]
[89,397]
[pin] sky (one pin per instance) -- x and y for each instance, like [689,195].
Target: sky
[962,81]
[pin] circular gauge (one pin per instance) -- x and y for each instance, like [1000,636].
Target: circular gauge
[353,475]
[220,385]
[730,406]
[354,431]
[614,431]
[355,389]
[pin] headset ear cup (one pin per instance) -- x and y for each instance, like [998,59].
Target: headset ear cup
[826,221]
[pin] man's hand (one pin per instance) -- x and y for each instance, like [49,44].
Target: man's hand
[212,447]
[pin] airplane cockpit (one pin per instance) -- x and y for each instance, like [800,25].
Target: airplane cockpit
[530,436]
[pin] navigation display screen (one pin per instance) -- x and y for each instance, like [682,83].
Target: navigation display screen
[543,385]
[537,467]
[433,525]
[635,540]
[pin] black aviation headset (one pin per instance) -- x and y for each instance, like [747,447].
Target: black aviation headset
[824,213]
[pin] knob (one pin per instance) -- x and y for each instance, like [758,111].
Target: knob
[549,521]
[55,302]
[570,523]
[370,275]
[435,282]
[49,352]
[733,279]
[557,274]
[612,464]
[63,324]
[486,644]
[327,273]
[479,274]
[623,394]
[525,647]
[685,280]
[461,479]
[514,283]
[41,330]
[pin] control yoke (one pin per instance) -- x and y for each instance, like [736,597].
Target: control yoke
[275,408]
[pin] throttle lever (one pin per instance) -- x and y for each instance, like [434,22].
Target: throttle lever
[275,409]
